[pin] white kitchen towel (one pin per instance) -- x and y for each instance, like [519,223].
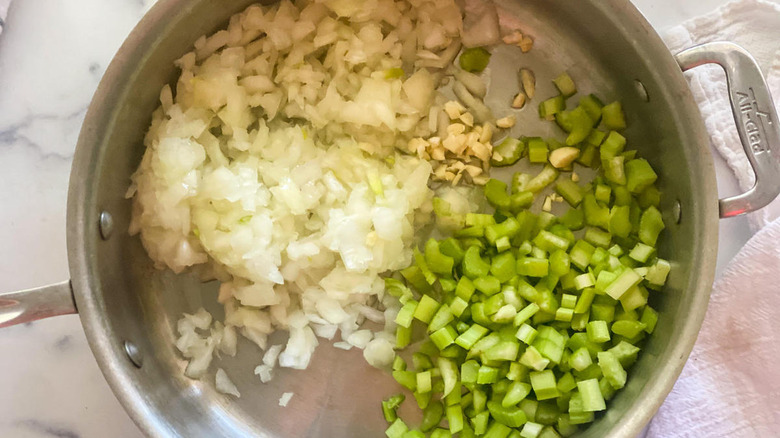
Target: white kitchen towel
[730,386]
[4,4]
[755,25]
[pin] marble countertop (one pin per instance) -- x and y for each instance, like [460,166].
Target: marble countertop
[52,55]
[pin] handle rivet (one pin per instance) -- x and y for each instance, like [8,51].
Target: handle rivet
[641,90]
[677,211]
[134,354]
[106,225]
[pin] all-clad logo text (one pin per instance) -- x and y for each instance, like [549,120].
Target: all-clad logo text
[753,120]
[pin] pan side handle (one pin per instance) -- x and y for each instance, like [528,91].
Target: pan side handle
[755,117]
[37,303]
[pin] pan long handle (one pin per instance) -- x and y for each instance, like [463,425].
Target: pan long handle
[755,116]
[38,303]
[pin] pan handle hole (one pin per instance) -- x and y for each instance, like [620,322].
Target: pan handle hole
[641,90]
[677,211]
[134,354]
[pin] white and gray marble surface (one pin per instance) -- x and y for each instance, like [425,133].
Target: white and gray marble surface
[52,55]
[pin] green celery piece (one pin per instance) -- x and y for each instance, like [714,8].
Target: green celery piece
[473,266]
[619,221]
[441,318]
[544,178]
[592,105]
[650,226]
[399,364]
[548,349]
[495,193]
[628,329]
[503,351]
[602,193]
[422,264]
[421,361]
[612,116]
[573,219]
[465,288]
[581,253]
[470,232]
[656,274]
[550,242]
[516,392]
[432,416]
[588,155]
[560,263]
[390,405]
[455,418]
[634,298]
[566,383]
[595,214]
[426,308]
[565,85]
[602,312]
[397,429]
[451,247]
[598,237]
[639,175]
[622,195]
[424,381]
[612,146]
[606,388]
[532,358]
[613,371]
[423,399]
[650,319]
[531,430]
[585,300]
[614,169]
[414,277]
[519,180]
[570,191]
[508,228]
[592,399]
[503,266]
[479,219]
[437,262]
[406,314]
[497,430]
[581,125]
[474,59]
[568,301]
[403,336]
[622,283]
[598,331]
[444,337]
[469,371]
[441,433]
[551,106]
[544,384]
[470,337]
[533,267]
[649,196]
[449,374]
[507,152]
[487,374]
[537,150]
[407,379]
[480,422]
[580,359]
[584,280]
[447,284]
[510,416]
[526,313]
[564,314]
[625,353]
[488,285]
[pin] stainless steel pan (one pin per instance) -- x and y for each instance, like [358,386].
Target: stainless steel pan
[128,309]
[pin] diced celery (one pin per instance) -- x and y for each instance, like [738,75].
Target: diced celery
[544,384]
[639,175]
[612,116]
[474,59]
[441,318]
[565,84]
[537,150]
[613,371]
[580,359]
[397,429]
[444,337]
[622,283]
[507,152]
[592,400]
[650,225]
[432,416]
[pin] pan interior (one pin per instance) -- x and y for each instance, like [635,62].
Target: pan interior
[606,45]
